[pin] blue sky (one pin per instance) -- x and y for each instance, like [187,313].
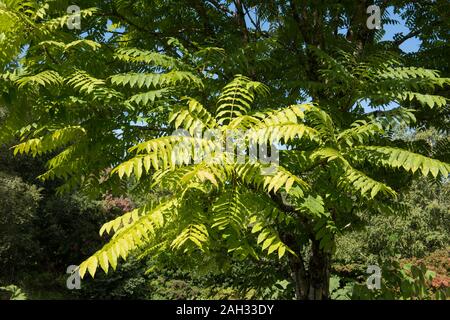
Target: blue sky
[411,45]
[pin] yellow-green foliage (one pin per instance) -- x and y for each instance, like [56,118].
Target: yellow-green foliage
[235,212]
[88,116]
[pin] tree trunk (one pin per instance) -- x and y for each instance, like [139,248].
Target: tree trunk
[319,273]
[300,277]
[314,283]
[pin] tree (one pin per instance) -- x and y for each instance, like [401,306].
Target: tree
[214,197]
[91,109]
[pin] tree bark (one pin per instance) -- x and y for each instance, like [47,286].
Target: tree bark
[312,283]
[240,16]
[319,273]
[300,277]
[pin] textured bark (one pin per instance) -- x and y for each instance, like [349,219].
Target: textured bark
[300,277]
[240,16]
[314,283]
[311,280]
[358,32]
[319,276]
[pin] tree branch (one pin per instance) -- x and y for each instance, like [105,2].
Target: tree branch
[147,128]
[410,35]
[240,16]
[221,7]
[201,10]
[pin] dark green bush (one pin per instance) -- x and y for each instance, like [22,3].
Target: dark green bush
[19,202]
